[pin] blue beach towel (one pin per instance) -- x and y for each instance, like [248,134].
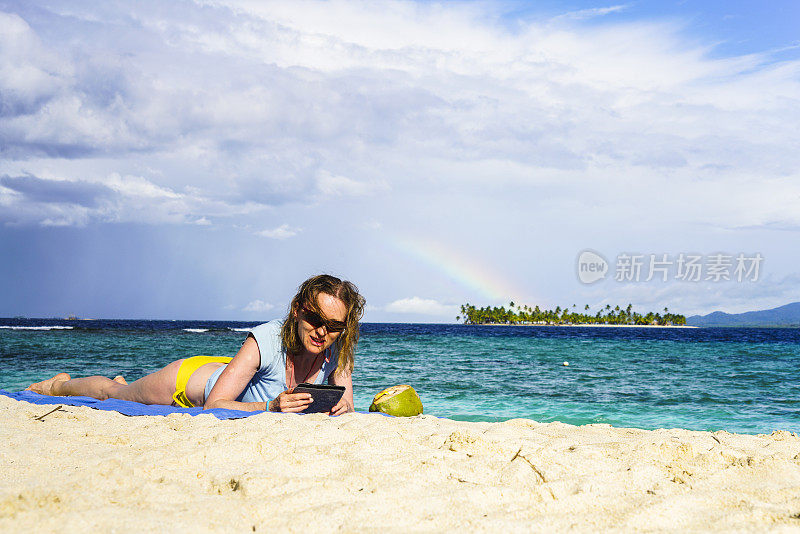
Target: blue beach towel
[122,406]
[128,407]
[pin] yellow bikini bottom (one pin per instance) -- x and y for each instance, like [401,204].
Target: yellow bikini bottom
[185,371]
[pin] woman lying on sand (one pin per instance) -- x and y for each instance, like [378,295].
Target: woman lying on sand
[315,342]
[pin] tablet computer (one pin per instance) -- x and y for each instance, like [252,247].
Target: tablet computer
[325,396]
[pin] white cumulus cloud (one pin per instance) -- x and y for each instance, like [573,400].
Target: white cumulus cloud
[258,306]
[422,306]
[341,185]
[283,231]
[294,102]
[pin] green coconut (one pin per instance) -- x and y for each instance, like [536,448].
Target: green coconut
[400,401]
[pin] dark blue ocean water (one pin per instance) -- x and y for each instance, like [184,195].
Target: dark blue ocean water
[736,379]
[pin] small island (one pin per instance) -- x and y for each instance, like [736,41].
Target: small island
[525,315]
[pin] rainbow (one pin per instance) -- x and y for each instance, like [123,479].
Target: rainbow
[467,271]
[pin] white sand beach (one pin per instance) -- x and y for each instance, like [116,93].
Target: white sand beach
[80,470]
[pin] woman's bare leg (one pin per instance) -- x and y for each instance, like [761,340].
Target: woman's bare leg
[155,388]
[45,387]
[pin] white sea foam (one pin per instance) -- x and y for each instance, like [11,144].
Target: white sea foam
[196,330]
[239,329]
[54,327]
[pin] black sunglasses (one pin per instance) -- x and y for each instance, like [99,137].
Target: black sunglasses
[316,321]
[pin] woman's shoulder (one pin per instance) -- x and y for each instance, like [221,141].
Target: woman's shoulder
[268,339]
[270,328]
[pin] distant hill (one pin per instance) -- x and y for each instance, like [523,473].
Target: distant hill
[788,315]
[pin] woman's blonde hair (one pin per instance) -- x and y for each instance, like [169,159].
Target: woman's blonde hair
[306,296]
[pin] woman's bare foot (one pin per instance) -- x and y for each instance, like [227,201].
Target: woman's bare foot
[120,380]
[45,387]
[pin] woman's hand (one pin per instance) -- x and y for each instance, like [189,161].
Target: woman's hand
[341,407]
[290,402]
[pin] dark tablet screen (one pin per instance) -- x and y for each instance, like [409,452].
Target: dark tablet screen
[325,397]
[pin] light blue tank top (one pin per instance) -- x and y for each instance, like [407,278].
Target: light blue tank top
[270,379]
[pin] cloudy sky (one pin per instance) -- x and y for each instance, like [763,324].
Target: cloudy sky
[198,160]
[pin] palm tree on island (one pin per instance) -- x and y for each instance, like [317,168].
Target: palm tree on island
[524,314]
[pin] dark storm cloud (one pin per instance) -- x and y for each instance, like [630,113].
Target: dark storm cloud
[21,150]
[11,106]
[40,190]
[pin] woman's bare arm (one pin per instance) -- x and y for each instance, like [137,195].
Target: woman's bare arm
[234,379]
[237,375]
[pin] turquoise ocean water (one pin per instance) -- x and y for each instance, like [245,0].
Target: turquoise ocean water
[735,379]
